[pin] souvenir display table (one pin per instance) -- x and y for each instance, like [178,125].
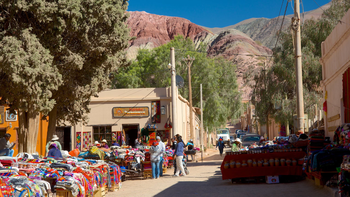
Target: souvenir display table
[325,158]
[71,177]
[236,165]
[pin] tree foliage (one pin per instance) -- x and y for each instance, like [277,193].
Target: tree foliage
[282,77]
[78,43]
[221,98]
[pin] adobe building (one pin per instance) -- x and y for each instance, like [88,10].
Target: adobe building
[118,114]
[336,76]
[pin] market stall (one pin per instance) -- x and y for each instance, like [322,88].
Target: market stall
[324,159]
[69,177]
[255,164]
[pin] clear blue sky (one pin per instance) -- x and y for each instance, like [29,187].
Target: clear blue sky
[219,13]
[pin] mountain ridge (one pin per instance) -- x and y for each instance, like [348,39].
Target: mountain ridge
[264,29]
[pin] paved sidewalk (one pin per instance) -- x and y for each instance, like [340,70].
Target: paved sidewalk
[205,180]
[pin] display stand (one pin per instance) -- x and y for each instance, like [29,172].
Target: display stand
[319,176]
[63,193]
[251,171]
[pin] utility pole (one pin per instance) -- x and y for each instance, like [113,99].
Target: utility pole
[173,91]
[189,60]
[201,133]
[299,75]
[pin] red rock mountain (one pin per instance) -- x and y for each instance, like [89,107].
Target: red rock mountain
[152,30]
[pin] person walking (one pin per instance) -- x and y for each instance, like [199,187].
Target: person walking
[174,143]
[155,157]
[162,150]
[179,153]
[173,140]
[221,145]
[5,146]
[55,140]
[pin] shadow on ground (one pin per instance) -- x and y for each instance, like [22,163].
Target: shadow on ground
[215,186]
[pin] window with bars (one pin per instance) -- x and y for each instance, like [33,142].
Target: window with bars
[103,132]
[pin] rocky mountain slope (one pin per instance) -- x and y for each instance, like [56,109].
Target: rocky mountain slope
[150,30]
[264,29]
[237,47]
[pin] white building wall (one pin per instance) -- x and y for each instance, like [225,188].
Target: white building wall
[335,61]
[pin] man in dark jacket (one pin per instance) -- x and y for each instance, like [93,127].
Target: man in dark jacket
[221,145]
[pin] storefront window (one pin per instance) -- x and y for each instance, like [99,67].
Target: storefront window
[103,132]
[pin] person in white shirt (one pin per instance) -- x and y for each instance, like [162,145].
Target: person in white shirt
[162,148]
[5,146]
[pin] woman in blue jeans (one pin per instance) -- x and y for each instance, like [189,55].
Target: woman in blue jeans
[155,159]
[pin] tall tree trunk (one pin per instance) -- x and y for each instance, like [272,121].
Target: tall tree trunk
[28,131]
[51,130]
[33,129]
[22,131]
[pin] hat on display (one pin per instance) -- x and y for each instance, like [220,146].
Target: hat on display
[346,127]
[104,140]
[238,140]
[54,138]
[96,142]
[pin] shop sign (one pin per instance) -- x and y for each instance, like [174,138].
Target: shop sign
[2,114]
[11,117]
[334,118]
[127,112]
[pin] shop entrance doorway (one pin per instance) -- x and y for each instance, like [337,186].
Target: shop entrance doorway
[131,131]
[64,135]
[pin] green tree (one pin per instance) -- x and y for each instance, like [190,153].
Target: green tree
[28,79]
[220,88]
[283,78]
[86,40]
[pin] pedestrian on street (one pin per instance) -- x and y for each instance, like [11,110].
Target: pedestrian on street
[221,145]
[179,153]
[155,158]
[162,150]
[6,147]
[173,140]
[174,143]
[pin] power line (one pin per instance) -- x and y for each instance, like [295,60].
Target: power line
[324,11]
[284,15]
[279,13]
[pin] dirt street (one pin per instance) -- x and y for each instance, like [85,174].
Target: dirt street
[205,180]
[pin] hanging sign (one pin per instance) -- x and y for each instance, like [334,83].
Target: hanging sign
[11,117]
[127,112]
